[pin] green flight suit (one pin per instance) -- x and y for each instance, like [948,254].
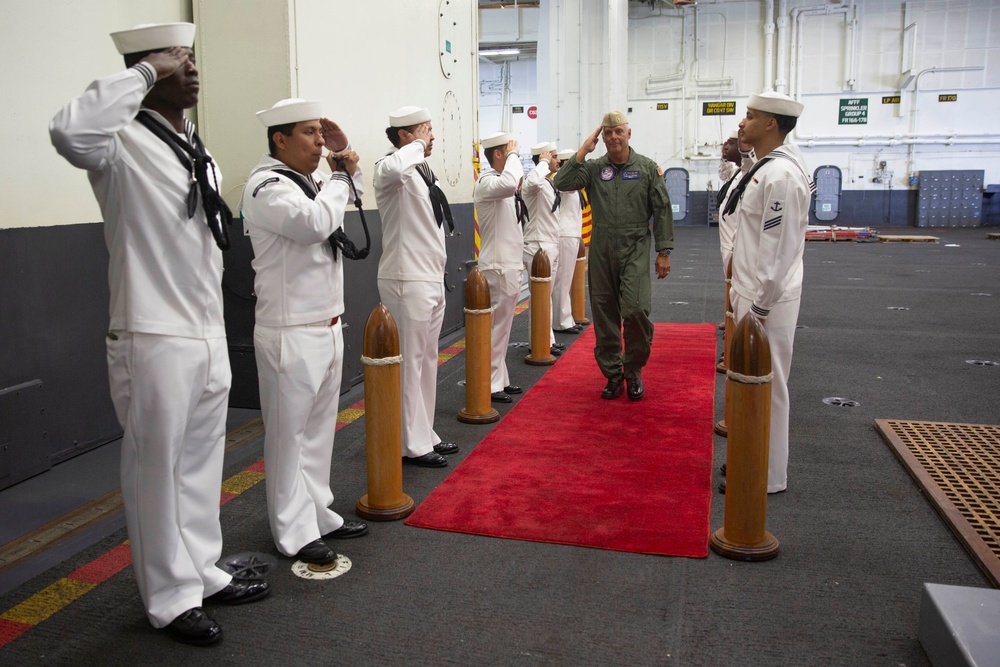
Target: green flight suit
[623,201]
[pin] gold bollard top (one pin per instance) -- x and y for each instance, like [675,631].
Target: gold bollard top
[477,291]
[540,267]
[750,354]
[582,252]
[381,334]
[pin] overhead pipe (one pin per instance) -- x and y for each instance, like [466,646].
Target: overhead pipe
[916,100]
[780,83]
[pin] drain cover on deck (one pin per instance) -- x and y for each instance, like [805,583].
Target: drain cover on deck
[958,468]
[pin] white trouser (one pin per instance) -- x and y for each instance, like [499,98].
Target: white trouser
[170,395]
[505,286]
[552,250]
[418,309]
[299,370]
[780,328]
[562,305]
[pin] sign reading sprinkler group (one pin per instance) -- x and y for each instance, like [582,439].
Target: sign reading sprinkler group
[853,111]
[718,109]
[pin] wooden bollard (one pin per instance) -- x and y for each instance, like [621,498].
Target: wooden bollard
[577,288]
[385,500]
[478,332]
[541,311]
[744,535]
[721,427]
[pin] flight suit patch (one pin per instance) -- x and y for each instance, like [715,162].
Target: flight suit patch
[607,173]
[630,175]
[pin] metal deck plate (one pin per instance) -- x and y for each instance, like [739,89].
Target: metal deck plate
[958,468]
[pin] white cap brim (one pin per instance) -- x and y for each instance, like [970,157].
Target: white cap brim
[566,154]
[292,110]
[408,116]
[538,149]
[775,103]
[498,139]
[154,36]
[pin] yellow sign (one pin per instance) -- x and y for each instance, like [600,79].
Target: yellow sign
[662,106]
[517,109]
[890,99]
[948,98]
[718,108]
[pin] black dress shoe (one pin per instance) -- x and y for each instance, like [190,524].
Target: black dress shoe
[575,329]
[316,552]
[559,346]
[613,389]
[500,397]
[194,627]
[428,460]
[348,530]
[446,448]
[635,388]
[241,591]
[722,486]
[555,351]
[723,469]
[513,389]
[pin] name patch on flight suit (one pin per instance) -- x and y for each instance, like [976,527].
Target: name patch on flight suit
[607,174]
[630,175]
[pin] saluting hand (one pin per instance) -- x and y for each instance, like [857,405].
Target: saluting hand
[168,61]
[511,147]
[333,136]
[590,145]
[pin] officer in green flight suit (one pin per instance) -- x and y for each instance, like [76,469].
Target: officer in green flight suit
[626,191]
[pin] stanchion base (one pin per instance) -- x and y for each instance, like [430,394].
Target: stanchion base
[539,361]
[721,367]
[721,428]
[401,511]
[766,549]
[469,418]
[583,322]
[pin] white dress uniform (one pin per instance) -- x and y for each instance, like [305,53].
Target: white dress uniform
[541,232]
[767,277]
[727,223]
[501,244]
[298,342]
[411,286]
[168,362]
[570,232]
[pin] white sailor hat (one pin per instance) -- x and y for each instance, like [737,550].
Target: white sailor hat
[538,149]
[565,154]
[291,110]
[498,139]
[153,36]
[408,116]
[735,134]
[775,103]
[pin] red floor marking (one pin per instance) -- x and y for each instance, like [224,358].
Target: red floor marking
[11,630]
[104,567]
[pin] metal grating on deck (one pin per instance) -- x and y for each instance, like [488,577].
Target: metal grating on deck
[958,468]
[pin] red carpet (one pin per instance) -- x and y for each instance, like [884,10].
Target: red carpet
[568,467]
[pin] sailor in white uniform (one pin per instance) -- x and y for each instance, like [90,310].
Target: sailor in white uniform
[772,208]
[168,363]
[292,212]
[411,274]
[541,231]
[570,232]
[501,244]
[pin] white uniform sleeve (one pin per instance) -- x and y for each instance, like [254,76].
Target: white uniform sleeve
[282,208]
[535,178]
[85,131]
[786,216]
[502,185]
[396,168]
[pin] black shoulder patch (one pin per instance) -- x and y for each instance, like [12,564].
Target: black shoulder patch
[273,179]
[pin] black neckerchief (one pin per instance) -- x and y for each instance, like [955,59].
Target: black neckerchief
[196,160]
[439,202]
[339,238]
[555,204]
[737,193]
[725,188]
[520,208]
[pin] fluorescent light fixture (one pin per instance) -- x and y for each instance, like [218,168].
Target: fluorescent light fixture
[500,52]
